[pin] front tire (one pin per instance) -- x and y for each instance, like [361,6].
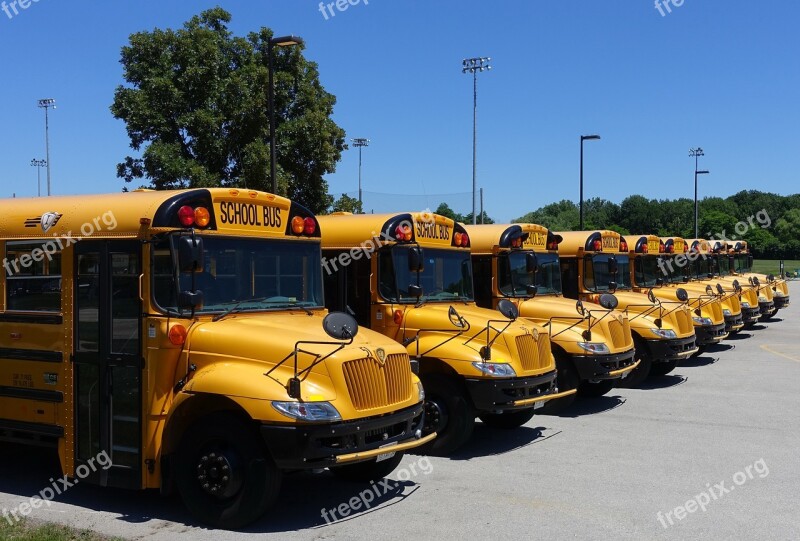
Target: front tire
[508,419]
[448,412]
[224,473]
[637,376]
[371,470]
[567,378]
[662,369]
[596,389]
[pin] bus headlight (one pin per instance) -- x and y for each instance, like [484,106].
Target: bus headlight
[497,370]
[420,391]
[666,334]
[726,312]
[314,412]
[594,347]
[745,304]
[703,320]
[762,299]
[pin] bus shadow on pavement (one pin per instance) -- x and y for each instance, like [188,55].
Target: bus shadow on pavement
[488,441]
[663,382]
[591,406]
[741,335]
[26,471]
[702,360]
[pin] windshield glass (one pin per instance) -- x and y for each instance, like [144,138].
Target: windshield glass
[513,276]
[723,265]
[648,271]
[742,263]
[701,267]
[446,276]
[597,275]
[673,272]
[261,274]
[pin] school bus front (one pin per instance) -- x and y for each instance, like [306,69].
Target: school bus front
[592,344]
[773,291]
[183,335]
[409,276]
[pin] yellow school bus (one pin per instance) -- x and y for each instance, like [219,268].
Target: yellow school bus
[594,263]
[773,289]
[649,253]
[409,276]
[183,335]
[707,313]
[592,344]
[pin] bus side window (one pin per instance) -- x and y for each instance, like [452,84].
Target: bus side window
[482,269]
[569,277]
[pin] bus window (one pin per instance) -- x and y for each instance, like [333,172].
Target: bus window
[33,277]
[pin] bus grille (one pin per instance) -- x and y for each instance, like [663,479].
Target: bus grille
[533,354]
[374,386]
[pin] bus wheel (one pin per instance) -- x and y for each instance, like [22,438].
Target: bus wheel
[567,378]
[507,419]
[637,376]
[448,412]
[597,388]
[371,470]
[700,351]
[662,369]
[224,474]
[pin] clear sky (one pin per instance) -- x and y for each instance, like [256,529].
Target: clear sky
[723,75]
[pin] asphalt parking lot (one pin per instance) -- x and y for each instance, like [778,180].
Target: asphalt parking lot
[718,438]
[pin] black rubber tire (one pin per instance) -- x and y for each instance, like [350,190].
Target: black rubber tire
[228,437]
[567,378]
[507,419]
[596,389]
[662,369]
[447,399]
[700,351]
[364,472]
[637,376]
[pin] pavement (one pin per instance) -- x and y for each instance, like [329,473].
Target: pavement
[710,451]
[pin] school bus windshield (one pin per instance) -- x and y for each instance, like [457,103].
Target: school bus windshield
[597,276]
[513,276]
[647,272]
[701,267]
[446,276]
[723,265]
[261,274]
[675,274]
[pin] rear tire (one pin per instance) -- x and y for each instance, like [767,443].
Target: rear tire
[508,419]
[662,369]
[371,470]
[448,412]
[596,389]
[224,473]
[637,376]
[567,378]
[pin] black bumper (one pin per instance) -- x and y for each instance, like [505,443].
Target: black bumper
[662,351]
[733,323]
[750,315]
[767,308]
[709,334]
[594,367]
[500,394]
[316,446]
[781,302]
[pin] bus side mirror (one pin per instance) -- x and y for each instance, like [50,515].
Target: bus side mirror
[608,301]
[190,254]
[531,262]
[415,291]
[190,300]
[659,282]
[612,286]
[720,289]
[508,309]
[682,295]
[531,289]
[613,267]
[340,326]
[416,263]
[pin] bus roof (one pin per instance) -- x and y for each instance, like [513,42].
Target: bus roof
[141,212]
[486,237]
[577,242]
[346,230]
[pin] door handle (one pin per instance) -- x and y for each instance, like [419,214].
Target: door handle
[141,298]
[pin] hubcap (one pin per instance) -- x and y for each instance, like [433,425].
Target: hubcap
[435,416]
[219,473]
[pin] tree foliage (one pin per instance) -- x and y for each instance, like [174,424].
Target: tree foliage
[347,204]
[445,210]
[196,112]
[769,222]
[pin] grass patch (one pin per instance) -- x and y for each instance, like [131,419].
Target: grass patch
[772,266]
[30,531]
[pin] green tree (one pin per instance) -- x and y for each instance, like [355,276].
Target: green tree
[347,204]
[787,227]
[196,111]
[444,210]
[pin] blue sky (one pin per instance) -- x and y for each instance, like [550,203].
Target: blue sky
[722,75]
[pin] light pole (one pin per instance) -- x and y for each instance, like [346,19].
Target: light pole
[46,104]
[283,41]
[474,66]
[360,142]
[584,138]
[696,153]
[38,164]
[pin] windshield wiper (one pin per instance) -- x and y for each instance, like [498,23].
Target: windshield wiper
[294,304]
[235,307]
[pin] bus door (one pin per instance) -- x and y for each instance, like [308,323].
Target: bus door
[108,362]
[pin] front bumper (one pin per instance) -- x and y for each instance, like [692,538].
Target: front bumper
[497,395]
[611,366]
[767,308]
[734,323]
[312,446]
[671,350]
[710,334]
[750,315]
[781,302]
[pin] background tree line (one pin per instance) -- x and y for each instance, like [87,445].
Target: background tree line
[717,216]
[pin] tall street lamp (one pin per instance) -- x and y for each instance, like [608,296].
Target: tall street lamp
[360,143]
[283,41]
[38,164]
[696,153]
[584,138]
[475,66]
[46,104]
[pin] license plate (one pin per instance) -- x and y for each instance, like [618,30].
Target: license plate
[538,405]
[384,456]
